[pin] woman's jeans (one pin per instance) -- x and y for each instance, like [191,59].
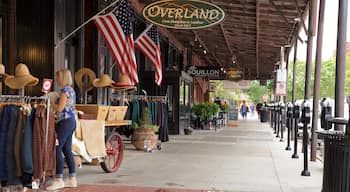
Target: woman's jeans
[64,130]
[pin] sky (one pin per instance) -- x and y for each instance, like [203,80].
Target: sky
[329,34]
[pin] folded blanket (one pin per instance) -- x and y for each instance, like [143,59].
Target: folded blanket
[93,134]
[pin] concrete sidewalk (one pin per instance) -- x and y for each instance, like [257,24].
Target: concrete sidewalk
[244,158]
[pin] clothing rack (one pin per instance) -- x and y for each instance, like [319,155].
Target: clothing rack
[22,99]
[148,98]
[29,99]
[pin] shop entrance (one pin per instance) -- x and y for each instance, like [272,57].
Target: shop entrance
[185,104]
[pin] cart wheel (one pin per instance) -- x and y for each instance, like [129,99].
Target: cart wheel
[114,151]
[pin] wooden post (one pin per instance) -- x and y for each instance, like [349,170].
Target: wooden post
[317,80]
[21,92]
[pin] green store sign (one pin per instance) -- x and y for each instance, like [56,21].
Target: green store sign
[183,14]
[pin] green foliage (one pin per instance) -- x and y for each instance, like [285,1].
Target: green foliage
[145,121]
[145,117]
[225,107]
[327,81]
[231,94]
[205,110]
[256,91]
[347,77]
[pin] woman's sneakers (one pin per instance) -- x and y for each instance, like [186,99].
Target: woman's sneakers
[70,183]
[55,185]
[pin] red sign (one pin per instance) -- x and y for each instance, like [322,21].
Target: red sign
[47,84]
[281,89]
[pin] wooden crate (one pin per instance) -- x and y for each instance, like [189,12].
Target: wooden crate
[100,110]
[116,113]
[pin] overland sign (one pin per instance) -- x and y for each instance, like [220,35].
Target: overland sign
[180,14]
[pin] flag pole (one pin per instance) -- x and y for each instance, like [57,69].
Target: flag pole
[86,22]
[145,31]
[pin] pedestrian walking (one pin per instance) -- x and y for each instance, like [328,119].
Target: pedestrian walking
[244,109]
[252,106]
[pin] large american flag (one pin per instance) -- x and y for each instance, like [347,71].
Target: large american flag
[149,45]
[117,31]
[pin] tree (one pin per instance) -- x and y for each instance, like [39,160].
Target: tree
[327,81]
[231,94]
[256,91]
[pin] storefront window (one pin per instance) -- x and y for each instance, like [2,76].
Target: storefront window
[187,97]
[182,98]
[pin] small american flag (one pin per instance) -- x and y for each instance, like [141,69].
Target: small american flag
[116,29]
[149,45]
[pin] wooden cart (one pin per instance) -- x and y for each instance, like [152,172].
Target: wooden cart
[113,141]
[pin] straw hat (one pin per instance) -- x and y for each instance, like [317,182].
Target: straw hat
[22,78]
[79,78]
[2,71]
[103,81]
[124,84]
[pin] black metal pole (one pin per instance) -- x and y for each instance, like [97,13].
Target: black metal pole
[296,114]
[275,118]
[340,60]
[282,110]
[289,121]
[317,79]
[306,114]
[278,120]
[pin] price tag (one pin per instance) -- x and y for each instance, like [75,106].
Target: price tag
[35,185]
[47,84]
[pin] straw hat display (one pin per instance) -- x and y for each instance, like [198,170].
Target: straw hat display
[22,78]
[83,83]
[104,81]
[2,72]
[123,84]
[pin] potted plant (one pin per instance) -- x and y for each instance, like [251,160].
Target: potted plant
[205,111]
[145,131]
[225,107]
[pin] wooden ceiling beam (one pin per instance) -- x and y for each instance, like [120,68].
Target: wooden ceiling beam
[301,16]
[206,48]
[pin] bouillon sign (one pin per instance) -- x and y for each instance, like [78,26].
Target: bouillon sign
[183,14]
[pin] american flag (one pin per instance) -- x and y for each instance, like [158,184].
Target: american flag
[117,31]
[149,45]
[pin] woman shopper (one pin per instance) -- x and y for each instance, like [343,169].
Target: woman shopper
[65,126]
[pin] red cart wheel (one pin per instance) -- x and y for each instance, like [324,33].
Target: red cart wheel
[114,151]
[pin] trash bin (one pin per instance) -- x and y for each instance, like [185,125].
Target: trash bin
[336,171]
[264,115]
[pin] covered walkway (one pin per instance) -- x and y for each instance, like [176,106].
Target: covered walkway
[243,158]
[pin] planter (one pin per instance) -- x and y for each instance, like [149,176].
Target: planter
[188,131]
[142,134]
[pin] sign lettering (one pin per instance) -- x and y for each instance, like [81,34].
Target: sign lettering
[179,14]
[201,71]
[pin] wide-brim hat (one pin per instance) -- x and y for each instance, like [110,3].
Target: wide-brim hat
[2,71]
[22,78]
[104,81]
[124,84]
[79,78]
